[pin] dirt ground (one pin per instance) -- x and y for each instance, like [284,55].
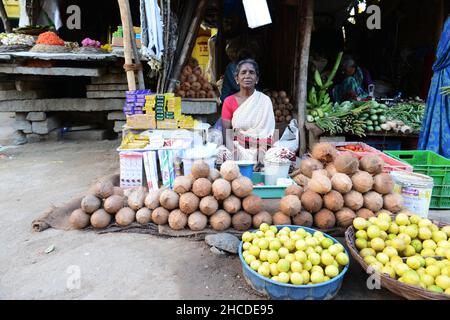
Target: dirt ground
[86,265]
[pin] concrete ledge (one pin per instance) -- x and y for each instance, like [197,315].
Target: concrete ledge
[198,107]
[67,104]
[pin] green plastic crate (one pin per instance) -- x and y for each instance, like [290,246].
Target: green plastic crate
[266,192]
[433,165]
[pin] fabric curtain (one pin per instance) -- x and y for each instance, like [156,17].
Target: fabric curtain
[152,31]
[435,131]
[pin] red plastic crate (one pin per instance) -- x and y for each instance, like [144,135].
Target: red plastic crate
[369,149]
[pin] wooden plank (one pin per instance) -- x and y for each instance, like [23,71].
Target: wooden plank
[107,87]
[66,104]
[54,71]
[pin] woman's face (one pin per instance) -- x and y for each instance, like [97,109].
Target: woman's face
[247,77]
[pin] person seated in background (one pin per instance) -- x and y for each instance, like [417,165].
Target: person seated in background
[352,83]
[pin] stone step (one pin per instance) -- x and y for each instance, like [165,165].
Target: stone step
[105,94]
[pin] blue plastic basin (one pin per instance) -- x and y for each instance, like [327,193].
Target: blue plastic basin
[281,291]
[246,168]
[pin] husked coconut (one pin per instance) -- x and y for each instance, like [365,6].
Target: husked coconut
[79,219]
[197,221]
[214,174]
[220,220]
[345,217]
[160,215]
[209,205]
[137,197]
[362,181]
[301,180]
[320,184]
[169,199]
[373,201]
[200,169]
[307,166]
[279,218]
[333,201]
[260,218]
[252,204]
[100,219]
[346,163]
[241,221]
[144,215]
[324,219]
[290,205]
[90,203]
[202,187]
[372,164]
[383,183]
[113,204]
[221,189]
[320,171]
[331,169]
[118,191]
[189,202]
[125,217]
[232,204]
[294,190]
[182,184]
[177,220]
[324,152]
[311,201]
[229,170]
[365,213]
[393,202]
[353,200]
[242,187]
[103,189]
[341,183]
[152,199]
[304,218]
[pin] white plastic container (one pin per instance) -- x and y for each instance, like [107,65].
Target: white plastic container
[274,171]
[416,190]
[187,163]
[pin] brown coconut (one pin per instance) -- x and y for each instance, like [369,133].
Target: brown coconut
[344,217]
[103,189]
[290,205]
[365,213]
[209,205]
[307,166]
[331,169]
[301,180]
[324,219]
[333,201]
[242,187]
[90,203]
[177,220]
[324,152]
[372,164]
[169,199]
[189,202]
[294,190]
[346,163]
[221,189]
[113,204]
[152,199]
[229,170]
[341,183]
[118,191]
[100,219]
[320,184]
[362,181]
[311,201]
[125,217]
[383,183]
[144,215]
[182,184]
[136,198]
[197,221]
[304,218]
[214,174]
[260,218]
[252,204]
[79,219]
[160,215]
[353,200]
[373,201]
[322,172]
[202,187]
[221,220]
[279,218]
[200,169]
[393,202]
[241,221]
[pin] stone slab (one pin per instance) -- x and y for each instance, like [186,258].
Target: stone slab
[115,78]
[33,137]
[117,115]
[21,95]
[198,107]
[66,104]
[54,71]
[107,87]
[20,116]
[23,125]
[118,126]
[44,127]
[105,94]
[36,116]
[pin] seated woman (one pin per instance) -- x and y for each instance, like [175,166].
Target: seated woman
[353,82]
[249,113]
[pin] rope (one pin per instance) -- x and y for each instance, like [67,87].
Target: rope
[132,67]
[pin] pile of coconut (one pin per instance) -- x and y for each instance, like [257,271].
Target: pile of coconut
[206,197]
[334,188]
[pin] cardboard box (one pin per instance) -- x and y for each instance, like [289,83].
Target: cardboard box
[131,173]
[141,121]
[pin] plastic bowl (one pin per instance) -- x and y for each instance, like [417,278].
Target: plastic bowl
[246,168]
[280,291]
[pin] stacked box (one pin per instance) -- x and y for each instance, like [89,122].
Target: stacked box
[173,108]
[141,121]
[135,101]
[167,124]
[160,101]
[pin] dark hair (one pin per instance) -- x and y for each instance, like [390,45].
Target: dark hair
[249,61]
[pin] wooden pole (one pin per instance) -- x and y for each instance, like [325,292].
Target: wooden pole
[188,43]
[125,16]
[306,11]
[4,17]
